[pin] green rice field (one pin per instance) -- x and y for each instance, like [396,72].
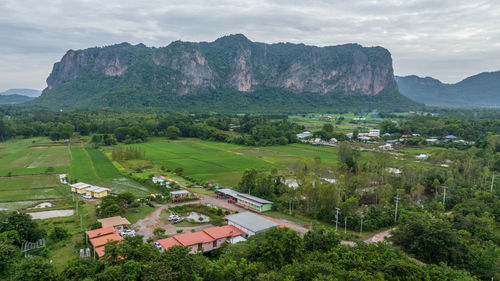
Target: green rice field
[224,163]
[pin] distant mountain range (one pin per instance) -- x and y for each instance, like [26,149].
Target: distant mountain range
[481,90]
[15,96]
[231,74]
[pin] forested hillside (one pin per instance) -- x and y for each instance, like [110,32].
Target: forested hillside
[479,90]
[209,76]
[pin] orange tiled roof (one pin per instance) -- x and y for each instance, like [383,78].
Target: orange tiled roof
[113,221]
[100,232]
[192,238]
[168,242]
[102,240]
[99,251]
[218,232]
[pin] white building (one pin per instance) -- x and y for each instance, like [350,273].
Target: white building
[250,223]
[374,133]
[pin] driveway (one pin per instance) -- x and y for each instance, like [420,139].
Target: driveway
[146,225]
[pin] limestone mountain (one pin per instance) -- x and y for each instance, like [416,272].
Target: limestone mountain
[481,90]
[230,74]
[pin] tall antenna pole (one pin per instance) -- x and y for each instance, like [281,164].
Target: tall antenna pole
[337,219]
[444,194]
[396,211]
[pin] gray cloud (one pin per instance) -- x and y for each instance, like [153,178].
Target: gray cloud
[447,39]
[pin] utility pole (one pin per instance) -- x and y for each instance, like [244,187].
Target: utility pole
[81,222]
[492,181]
[337,219]
[361,230]
[396,211]
[345,224]
[444,194]
[77,206]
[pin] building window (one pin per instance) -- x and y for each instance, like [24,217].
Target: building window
[214,244]
[199,247]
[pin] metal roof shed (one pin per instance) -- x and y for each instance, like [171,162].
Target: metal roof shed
[250,223]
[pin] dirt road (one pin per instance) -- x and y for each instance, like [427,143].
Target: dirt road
[146,225]
[379,237]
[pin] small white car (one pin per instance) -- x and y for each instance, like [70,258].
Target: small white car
[158,246]
[87,196]
[128,232]
[173,217]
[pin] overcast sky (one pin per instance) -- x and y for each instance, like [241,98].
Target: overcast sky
[446,39]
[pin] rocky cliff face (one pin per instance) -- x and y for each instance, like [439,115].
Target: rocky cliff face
[231,63]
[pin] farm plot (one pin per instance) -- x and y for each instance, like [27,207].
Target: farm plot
[29,188]
[224,163]
[26,157]
[215,161]
[93,167]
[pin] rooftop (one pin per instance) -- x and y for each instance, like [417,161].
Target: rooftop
[252,221]
[253,198]
[192,238]
[218,232]
[100,232]
[228,191]
[179,192]
[168,242]
[102,240]
[113,221]
[79,184]
[93,188]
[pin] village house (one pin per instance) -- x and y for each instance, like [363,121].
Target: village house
[245,200]
[90,190]
[79,187]
[374,133]
[117,222]
[180,195]
[205,240]
[99,237]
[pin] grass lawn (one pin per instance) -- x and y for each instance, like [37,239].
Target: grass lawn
[135,214]
[204,191]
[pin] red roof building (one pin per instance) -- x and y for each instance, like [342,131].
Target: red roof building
[223,231]
[202,241]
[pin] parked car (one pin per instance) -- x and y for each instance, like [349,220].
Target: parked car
[128,232]
[158,246]
[178,220]
[173,217]
[87,196]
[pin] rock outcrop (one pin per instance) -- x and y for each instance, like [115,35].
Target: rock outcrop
[235,63]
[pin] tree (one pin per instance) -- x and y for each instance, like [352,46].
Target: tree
[9,255]
[321,239]
[35,269]
[22,223]
[80,268]
[173,132]
[349,156]
[280,246]
[58,233]
[159,231]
